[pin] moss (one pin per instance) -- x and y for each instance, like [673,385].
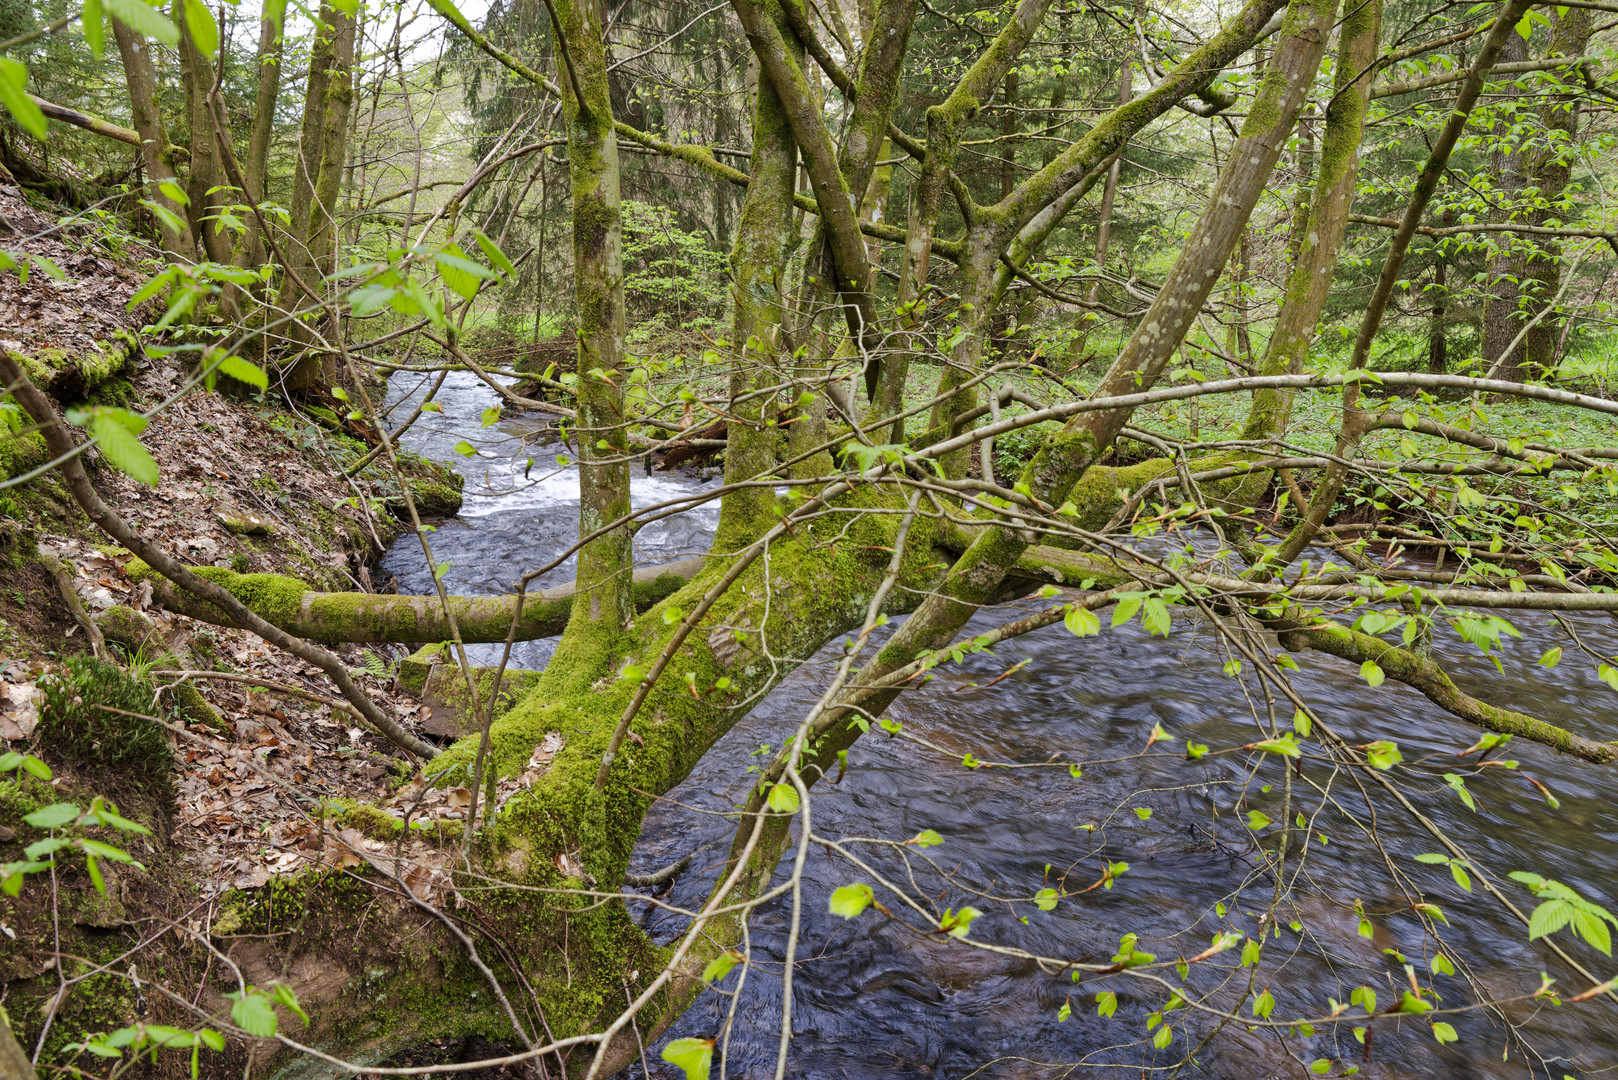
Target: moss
[414,669]
[127,753]
[76,376]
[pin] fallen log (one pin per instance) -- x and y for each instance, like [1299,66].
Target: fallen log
[332,617]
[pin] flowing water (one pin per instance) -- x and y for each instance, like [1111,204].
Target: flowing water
[871,998]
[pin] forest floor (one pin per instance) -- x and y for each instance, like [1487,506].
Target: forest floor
[284,781]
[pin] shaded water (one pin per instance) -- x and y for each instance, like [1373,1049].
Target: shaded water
[873,999]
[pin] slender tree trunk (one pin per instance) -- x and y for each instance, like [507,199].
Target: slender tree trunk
[1437,332]
[157,154]
[1550,170]
[307,167]
[1306,175]
[1502,310]
[604,604]
[1307,286]
[270,43]
[206,173]
[334,138]
[765,233]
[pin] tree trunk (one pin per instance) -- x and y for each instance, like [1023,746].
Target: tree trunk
[207,175]
[322,228]
[270,47]
[1550,170]
[1307,286]
[1437,332]
[307,167]
[1502,310]
[156,152]
[604,603]
[1050,478]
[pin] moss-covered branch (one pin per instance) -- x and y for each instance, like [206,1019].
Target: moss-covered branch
[1423,673]
[293,606]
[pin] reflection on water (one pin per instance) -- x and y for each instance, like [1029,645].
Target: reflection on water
[871,998]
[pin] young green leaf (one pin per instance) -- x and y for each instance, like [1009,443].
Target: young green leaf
[694,1056]
[783,799]
[53,816]
[14,96]
[849,900]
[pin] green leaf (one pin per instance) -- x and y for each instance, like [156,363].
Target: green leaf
[958,923]
[94,31]
[719,967]
[1371,672]
[849,900]
[1257,819]
[204,31]
[465,449]
[1106,1003]
[1046,899]
[1143,812]
[1082,622]
[14,96]
[53,816]
[491,416]
[142,18]
[460,273]
[370,299]
[1320,1066]
[1155,617]
[1458,784]
[1440,965]
[254,1014]
[286,996]
[783,799]
[106,851]
[275,11]
[1383,754]
[1263,1005]
[121,448]
[927,838]
[694,1056]
[496,257]
[1164,1036]
[1064,1012]
[244,371]
[91,864]
[1444,1033]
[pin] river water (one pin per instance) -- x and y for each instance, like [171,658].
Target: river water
[871,998]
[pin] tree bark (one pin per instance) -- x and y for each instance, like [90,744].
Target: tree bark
[206,175]
[1550,168]
[1502,310]
[321,231]
[257,172]
[1315,263]
[307,167]
[156,152]
[604,603]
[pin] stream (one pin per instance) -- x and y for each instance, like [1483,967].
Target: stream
[871,998]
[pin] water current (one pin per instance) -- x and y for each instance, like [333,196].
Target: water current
[871,998]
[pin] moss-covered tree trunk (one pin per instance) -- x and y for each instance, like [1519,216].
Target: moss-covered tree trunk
[604,603]
[1325,222]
